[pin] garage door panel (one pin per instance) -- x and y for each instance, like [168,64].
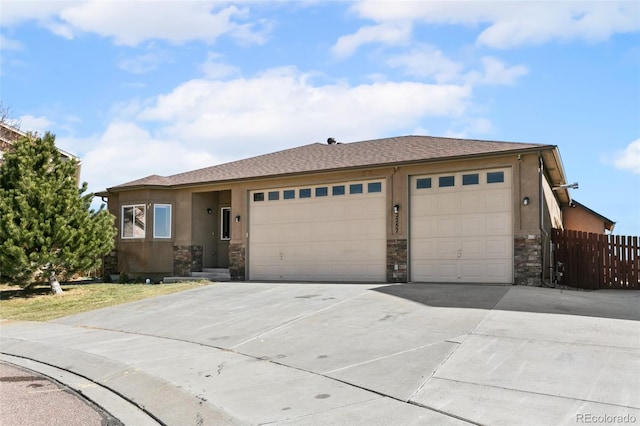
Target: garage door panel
[497,272]
[446,248]
[424,207]
[462,233]
[447,204]
[499,224]
[423,226]
[473,248]
[471,224]
[498,200]
[446,271]
[446,225]
[501,248]
[425,248]
[472,271]
[471,201]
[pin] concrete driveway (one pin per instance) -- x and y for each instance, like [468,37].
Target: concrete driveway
[319,354]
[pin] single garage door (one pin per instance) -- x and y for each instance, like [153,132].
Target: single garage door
[334,232]
[461,227]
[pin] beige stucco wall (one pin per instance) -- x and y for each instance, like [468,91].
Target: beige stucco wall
[148,255]
[578,219]
[553,211]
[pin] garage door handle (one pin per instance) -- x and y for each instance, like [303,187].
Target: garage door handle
[459,253]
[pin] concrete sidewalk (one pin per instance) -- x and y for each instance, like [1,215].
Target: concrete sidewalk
[249,353]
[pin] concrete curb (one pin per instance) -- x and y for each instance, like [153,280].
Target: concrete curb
[158,399]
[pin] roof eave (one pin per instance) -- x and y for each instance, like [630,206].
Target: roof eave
[534,149]
[555,172]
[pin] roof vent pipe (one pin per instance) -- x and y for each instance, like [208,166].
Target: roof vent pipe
[331,141]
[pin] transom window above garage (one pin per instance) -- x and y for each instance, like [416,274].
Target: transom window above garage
[373,187]
[274,195]
[446,181]
[495,177]
[305,193]
[467,180]
[319,192]
[471,179]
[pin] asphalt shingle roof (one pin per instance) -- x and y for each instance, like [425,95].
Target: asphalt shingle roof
[318,157]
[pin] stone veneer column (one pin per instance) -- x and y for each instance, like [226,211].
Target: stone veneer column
[187,259]
[110,264]
[182,261]
[527,252]
[237,261]
[196,258]
[397,261]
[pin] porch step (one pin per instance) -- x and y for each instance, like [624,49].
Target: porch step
[209,274]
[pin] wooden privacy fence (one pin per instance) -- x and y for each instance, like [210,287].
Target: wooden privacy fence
[594,261]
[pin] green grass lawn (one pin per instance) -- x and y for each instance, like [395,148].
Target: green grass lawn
[38,304]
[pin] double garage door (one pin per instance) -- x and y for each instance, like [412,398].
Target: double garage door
[334,232]
[460,230]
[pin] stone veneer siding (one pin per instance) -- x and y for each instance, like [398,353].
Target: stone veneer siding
[527,251]
[110,264]
[237,258]
[397,261]
[187,259]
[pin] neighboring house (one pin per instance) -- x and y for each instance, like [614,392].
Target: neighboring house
[578,217]
[411,208]
[9,134]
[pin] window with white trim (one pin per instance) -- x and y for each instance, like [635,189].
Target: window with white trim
[134,219]
[162,221]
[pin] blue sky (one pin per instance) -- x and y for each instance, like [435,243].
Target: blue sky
[159,87]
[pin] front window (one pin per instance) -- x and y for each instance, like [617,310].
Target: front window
[133,221]
[225,223]
[162,221]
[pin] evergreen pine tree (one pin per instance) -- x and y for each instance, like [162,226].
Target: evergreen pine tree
[47,226]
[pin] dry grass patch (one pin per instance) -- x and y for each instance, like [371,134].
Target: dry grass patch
[37,304]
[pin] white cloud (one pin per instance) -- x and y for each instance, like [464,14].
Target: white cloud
[280,108]
[427,61]
[389,33]
[131,23]
[205,122]
[214,68]
[9,44]
[515,23]
[629,159]
[30,123]
[467,127]
[18,11]
[495,72]
[144,63]
[127,152]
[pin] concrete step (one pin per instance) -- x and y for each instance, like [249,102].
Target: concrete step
[209,274]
